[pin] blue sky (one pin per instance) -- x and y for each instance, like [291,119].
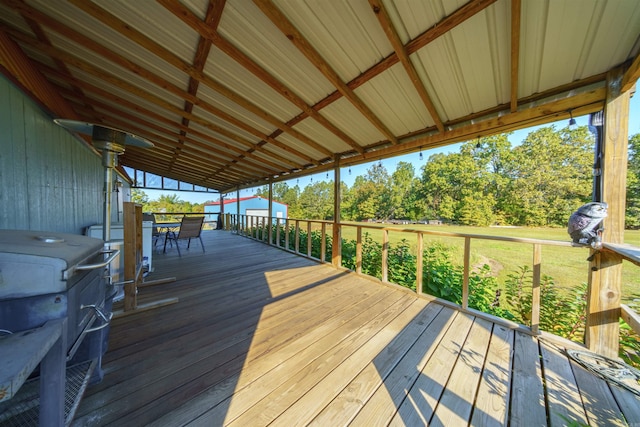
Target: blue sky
[516,138]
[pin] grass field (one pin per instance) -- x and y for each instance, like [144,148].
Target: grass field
[566,265]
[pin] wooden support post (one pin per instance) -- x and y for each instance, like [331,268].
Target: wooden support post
[133,263]
[309,239]
[238,219]
[270,212]
[132,253]
[286,233]
[605,272]
[359,251]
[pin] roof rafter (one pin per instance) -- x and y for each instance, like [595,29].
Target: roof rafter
[442,27]
[631,75]
[214,12]
[118,82]
[385,22]
[106,95]
[131,66]
[201,148]
[118,25]
[212,35]
[292,33]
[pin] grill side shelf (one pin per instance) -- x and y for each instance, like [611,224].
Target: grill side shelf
[21,352]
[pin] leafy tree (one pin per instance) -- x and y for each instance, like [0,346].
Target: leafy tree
[454,185]
[360,202]
[550,176]
[139,196]
[493,155]
[632,218]
[402,196]
[316,200]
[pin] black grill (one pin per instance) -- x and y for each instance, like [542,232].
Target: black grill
[48,276]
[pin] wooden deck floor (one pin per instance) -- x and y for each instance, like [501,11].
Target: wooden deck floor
[263,337]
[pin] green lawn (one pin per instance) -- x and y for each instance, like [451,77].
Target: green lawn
[566,265]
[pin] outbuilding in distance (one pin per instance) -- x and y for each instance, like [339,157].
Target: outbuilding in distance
[254,206]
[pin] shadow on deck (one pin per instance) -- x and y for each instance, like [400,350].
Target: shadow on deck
[261,336]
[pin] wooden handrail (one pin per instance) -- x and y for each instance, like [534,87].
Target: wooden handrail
[630,317]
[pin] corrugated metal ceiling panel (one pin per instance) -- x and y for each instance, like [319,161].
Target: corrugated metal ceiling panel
[346,117]
[347,35]
[161,26]
[232,75]
[251,32]
[226,126]
[317,132]
[393,98]
[411,18]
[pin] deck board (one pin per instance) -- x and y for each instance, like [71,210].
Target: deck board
[261,336]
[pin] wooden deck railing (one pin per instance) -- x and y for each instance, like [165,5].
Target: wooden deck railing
[269,230]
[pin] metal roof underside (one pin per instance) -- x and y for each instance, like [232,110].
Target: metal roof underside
[234,93]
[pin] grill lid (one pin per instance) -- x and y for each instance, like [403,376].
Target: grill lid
[35,262]
[69,248]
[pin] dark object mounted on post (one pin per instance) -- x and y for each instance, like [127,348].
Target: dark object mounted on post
[585,224]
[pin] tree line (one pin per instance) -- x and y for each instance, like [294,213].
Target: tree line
[539,182]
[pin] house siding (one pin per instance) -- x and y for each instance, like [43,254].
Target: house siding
[49,180]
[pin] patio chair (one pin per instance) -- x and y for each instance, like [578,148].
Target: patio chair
[190,228]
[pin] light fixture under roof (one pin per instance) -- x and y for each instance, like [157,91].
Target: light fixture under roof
[572,121]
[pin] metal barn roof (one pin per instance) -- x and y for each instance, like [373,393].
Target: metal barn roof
[234,93]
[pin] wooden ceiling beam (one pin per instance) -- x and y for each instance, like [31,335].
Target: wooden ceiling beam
[117,82]
[203,149]
[206,31]
[209,148]
[126,30]
[22,69]
[198,156]
[85,66]
[291,32]
[444,25]
[385,22]
[212,18]
[106,95]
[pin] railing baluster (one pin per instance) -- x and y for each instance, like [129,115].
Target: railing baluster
[297,242]
[278,232]
[309,240]
[323,242]
[359,251]
[385,255]
[535,289]
[419,266]
[286,234]
[465,277]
